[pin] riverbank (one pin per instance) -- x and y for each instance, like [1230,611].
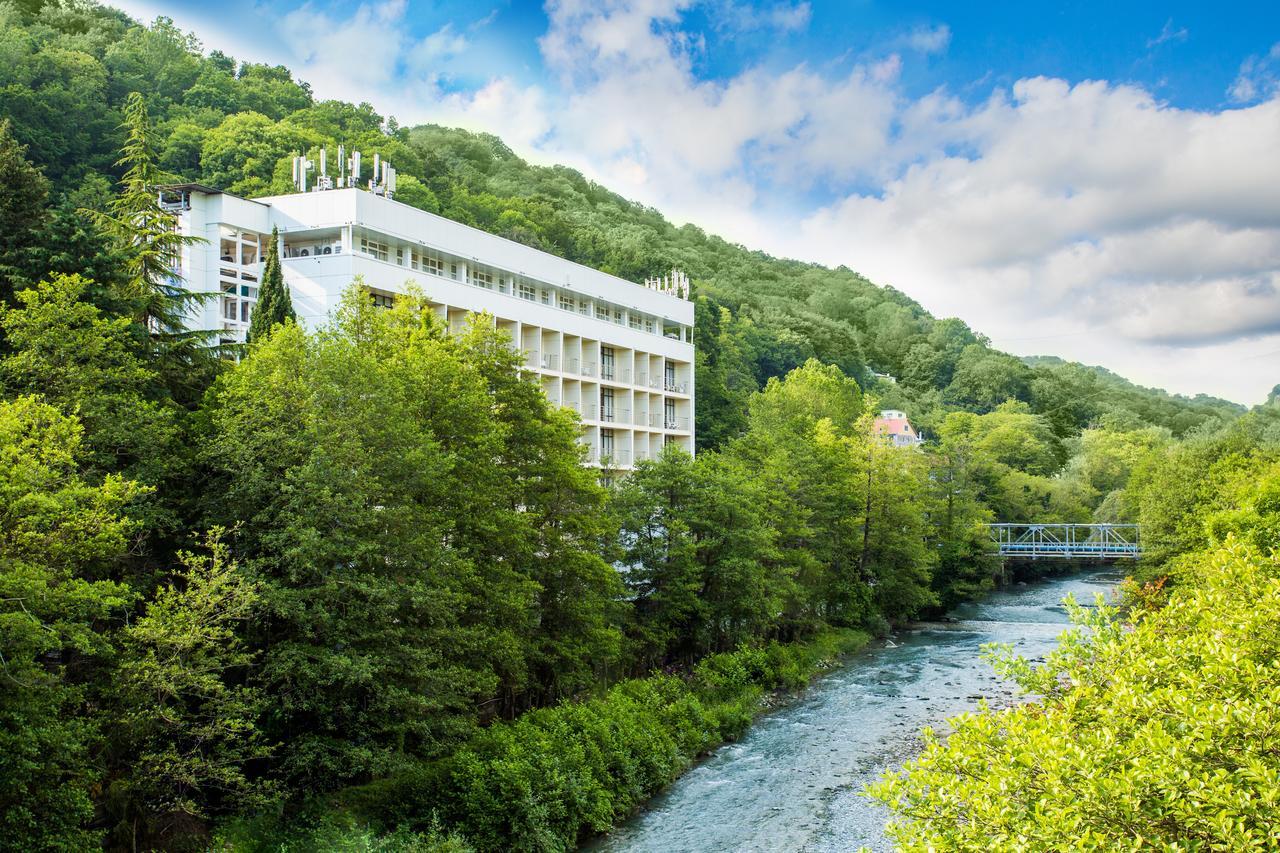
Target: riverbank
[795,780]
[555,776]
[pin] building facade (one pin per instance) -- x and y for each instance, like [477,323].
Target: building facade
[618,353]
[896,429]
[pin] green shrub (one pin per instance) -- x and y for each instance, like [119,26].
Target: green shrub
[545,780]
[1164,733]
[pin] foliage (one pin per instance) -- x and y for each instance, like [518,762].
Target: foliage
[22,213]
[419,588]
[59,533]
[1162,736]
[275,305]
[557,774]
[189,721]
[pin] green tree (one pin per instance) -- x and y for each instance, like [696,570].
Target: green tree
[188,720]
[275,306]
[147,237]
[93,366]
[22,214]
[60,534]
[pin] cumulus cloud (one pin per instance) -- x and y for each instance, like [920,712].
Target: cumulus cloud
[1087,219]
[1090,208]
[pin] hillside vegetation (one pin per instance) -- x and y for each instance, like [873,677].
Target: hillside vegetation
[353,588]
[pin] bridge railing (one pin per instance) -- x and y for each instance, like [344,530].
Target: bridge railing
[1067,541]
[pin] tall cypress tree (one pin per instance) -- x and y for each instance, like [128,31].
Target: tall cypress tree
[274,304]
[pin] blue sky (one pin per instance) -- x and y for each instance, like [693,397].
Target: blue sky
[1095,180]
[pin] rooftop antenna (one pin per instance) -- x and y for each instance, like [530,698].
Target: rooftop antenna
[354,178]
[377,167]
[342,167]
[301,165]
[324,182]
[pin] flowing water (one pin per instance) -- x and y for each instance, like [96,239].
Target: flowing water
[793,782]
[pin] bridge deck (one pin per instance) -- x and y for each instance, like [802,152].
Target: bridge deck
[1067,541]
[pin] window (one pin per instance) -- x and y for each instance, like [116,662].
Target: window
[669,374]
[606,363]
[546,297]
[382,300]
[669,414]
[634,320]
[566,302]
[399,256]
[606,443]
[617,316]
[584,307]
[453,271]
[648,325]
[373,248]
[482,278]
[525,290]
[606,404]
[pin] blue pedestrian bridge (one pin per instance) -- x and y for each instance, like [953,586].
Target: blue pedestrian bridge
[1067,541]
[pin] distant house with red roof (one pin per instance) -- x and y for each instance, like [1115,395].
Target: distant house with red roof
[894,426]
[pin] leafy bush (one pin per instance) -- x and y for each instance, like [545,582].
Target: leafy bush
[553,775]
[1162,733]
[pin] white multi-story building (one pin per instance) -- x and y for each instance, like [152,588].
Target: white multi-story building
[617,352]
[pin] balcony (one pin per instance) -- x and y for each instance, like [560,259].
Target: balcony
[680,424]
[672,385]
[614,458]
[551,362]
[589,368]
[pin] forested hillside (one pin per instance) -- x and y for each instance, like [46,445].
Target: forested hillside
[356,582]
[234,125]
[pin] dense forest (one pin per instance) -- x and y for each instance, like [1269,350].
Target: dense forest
[351,588]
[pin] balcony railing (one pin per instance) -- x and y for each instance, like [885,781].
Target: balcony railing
[571,365]
[606,372]
[615,458]
[655,419]
[589,368]
[551,362]
[676,423]
[672,385]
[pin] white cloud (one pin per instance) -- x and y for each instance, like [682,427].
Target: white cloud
[1088,220]
[929,39]
[1168,33]
[1259,77]
[1136,232]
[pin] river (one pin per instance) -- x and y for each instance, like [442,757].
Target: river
[793,781]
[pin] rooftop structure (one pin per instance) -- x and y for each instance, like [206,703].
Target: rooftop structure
[617,352]
[894,426]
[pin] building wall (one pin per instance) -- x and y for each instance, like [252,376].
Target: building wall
[631,382]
